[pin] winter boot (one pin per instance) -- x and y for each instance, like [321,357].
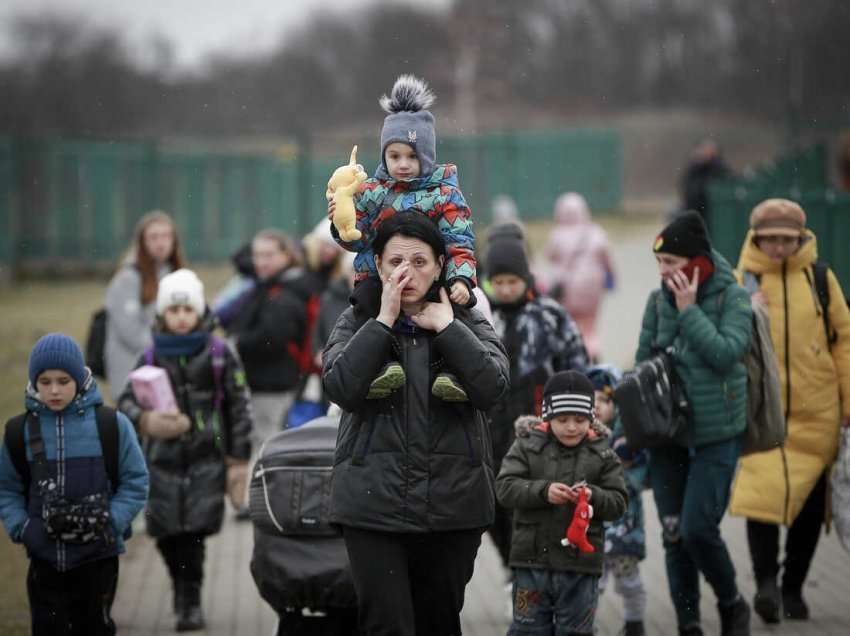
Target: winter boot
[735,618]
[691,629]
[448,388]
[793,606]
[190,617]
[766,601]
[390,378]
[633,628]
[179,595]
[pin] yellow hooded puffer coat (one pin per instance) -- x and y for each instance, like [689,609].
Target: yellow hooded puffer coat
[773,486]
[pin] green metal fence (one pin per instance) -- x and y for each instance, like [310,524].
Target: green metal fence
[64,200]
[801,176]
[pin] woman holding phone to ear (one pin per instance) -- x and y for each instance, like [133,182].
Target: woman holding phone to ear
[706,317]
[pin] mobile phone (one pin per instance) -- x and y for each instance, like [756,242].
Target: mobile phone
[706,267]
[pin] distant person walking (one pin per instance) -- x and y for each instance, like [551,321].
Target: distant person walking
[705,165]
[702,313]
[131,295]
[788,485]
[270,323]
[199,452]
[540,339]
[580,265]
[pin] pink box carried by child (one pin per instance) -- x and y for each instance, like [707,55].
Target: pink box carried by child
[153,389]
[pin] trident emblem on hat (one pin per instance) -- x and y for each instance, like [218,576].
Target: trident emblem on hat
[411,136]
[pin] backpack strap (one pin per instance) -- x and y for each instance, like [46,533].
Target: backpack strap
[149,356]
[819,272]
[40,471]
[107,431]
[15,442]
[217,348]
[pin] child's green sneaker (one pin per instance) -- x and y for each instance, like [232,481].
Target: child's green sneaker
[448,388]
[388,380]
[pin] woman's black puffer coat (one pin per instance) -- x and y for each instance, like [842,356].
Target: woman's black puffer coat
[188,474]
[412,462]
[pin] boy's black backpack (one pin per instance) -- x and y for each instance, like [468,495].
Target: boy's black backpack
[107,431]
[299,558]
[96,344]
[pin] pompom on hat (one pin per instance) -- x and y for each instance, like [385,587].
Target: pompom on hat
[409,122]
[778,217]
[182,287]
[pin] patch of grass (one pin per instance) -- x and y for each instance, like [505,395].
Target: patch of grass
[31,310]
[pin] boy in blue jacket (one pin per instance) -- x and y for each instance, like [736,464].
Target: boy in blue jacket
[57,496]
[625,541]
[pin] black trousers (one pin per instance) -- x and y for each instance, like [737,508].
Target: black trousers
[800,545]
[73,603]
[184,556]
[501,532]
[411,584]
[341,622]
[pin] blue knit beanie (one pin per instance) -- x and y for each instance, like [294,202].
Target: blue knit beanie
[409,122]
[57,351]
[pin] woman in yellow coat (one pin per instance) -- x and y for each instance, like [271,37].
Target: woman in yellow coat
[788,485]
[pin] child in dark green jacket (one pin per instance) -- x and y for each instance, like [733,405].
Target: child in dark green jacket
[542,477]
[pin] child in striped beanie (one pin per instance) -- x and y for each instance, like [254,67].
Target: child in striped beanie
[553,468]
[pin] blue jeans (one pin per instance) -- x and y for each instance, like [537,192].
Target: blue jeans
[691,488]
[552,603]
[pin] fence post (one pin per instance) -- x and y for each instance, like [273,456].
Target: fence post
[304,160]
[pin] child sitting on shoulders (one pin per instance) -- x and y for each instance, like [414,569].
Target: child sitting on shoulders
[408,179]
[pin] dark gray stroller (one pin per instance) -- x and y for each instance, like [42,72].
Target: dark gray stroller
[299,563]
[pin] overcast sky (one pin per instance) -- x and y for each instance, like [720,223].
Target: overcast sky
[195,27]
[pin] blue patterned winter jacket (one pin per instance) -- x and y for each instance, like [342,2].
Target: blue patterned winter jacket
[75,461]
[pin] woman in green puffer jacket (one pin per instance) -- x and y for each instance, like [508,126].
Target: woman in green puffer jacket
[706,317]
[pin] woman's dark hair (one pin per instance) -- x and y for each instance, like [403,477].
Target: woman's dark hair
[366,296]
[411,225]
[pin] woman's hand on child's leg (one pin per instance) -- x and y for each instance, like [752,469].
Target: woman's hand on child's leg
[460,293]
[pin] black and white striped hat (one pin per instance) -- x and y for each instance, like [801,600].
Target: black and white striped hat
[568,393]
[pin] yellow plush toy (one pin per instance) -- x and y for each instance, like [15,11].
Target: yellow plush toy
[343,185]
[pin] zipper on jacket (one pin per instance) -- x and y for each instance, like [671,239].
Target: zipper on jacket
[60,483]
[787,385]
[273,469]
[405,355]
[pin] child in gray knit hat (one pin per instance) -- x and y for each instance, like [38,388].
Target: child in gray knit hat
[408,179]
